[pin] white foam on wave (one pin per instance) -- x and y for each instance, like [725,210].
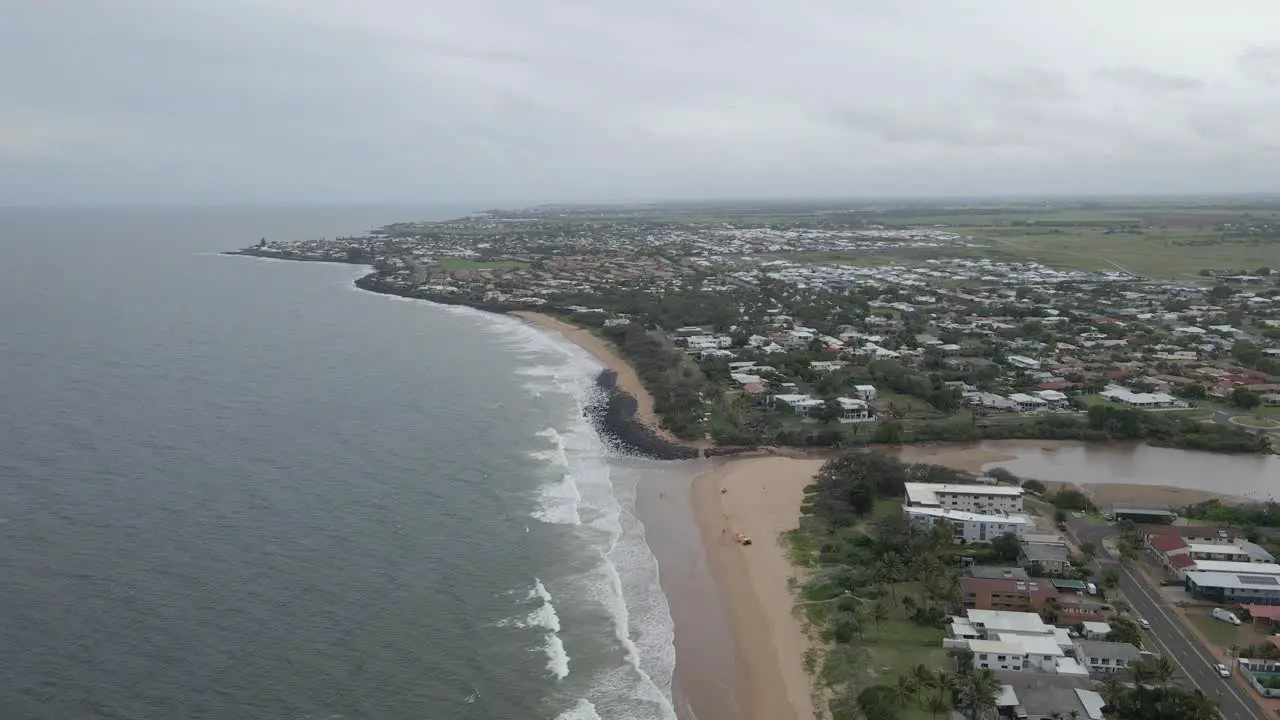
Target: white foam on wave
[544,617]
[600,507]
[581,710]
[581,499]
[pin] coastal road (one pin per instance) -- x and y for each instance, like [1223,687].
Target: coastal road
[1176,643]
[1168,634]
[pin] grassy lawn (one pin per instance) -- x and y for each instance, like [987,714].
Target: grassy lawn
[899,645]
[1219,633]
[452,263]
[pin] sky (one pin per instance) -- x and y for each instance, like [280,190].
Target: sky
[523,101]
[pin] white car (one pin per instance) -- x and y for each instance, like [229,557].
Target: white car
[1142,623]
[1222,670]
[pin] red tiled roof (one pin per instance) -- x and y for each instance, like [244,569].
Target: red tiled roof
[1269,612]
[1166,543]
[1181,560]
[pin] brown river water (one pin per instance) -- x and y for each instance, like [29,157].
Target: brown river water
[1252,477]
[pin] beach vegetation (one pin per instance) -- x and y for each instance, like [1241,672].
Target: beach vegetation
[879,584]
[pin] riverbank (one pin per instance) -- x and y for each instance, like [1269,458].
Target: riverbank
[759,497]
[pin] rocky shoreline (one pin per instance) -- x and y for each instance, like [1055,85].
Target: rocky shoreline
[613,413]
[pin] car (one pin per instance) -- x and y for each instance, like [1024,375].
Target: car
[1142,623]
[1222,670]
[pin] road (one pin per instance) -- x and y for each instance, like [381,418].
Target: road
[1170,636]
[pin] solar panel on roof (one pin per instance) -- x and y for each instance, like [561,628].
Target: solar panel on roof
[1258,579]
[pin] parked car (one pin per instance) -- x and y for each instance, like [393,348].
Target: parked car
[1222,670]
[1225,616]
[1142,623]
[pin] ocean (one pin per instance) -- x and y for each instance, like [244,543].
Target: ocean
[240,488]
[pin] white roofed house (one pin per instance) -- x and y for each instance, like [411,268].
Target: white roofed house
[866,392]
[1142,401]
[854,410]
[1054,399]
[1028,403]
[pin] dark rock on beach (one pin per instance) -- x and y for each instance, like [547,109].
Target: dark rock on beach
[614,415]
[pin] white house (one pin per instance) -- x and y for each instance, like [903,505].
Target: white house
[854,410]
[1023,363]
[1054,399]
[973,498]
[971,526]
[866,392]
[1144,401]
[1100,656]
[1012,641]
[1028,403]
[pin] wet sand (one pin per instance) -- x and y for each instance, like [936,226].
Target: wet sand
[628,381]
[762,499]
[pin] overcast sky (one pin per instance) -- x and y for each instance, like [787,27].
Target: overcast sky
[492,101]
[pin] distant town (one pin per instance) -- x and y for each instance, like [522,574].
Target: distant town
[832,326]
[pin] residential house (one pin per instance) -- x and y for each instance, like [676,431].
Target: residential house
[854,410]
[1047,559]
[866,393]
[1094,630]
[1028,403]
[1100,656]
[1023,363]
[1049,703]
[1140,401]
[1054,399]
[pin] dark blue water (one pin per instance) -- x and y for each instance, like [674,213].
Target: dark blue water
[235,488]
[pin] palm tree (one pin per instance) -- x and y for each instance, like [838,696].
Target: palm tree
[978,693]
[923,677]
[1163,670]
[936,704]
[904,689]
[1112,688]
[890,569]
[879,614]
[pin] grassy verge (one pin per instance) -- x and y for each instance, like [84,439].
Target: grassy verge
[1219,633]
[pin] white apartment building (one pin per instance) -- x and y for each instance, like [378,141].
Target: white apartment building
[1013,641]
[972,526]
[973,498]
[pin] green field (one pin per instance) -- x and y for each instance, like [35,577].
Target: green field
[451,263]
[1219,633]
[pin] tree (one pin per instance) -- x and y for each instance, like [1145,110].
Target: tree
[936,705]
[1245,398]
[890,569]
[978,691]
[1007,547]
[878,702]
[1060,516]
[879,614]
[1126,630]
[1034,486]
[904,689]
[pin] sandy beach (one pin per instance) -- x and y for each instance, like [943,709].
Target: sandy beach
[761,498]
[604,353]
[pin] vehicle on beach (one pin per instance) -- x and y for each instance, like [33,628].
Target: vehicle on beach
[742,539]
[1221,670]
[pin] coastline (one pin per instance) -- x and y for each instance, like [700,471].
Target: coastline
[627,380]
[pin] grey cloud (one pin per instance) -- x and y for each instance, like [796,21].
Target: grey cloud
[1149,81]
[492,101]
[1261,64]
